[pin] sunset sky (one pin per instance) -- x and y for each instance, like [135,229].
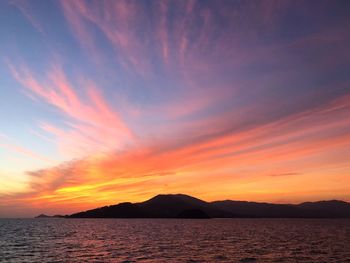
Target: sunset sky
[109,101]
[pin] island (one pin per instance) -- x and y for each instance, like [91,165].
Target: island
[185,206]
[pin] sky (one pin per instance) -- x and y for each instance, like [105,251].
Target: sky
[103,102]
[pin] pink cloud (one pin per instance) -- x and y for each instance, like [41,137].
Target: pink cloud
[93,124]
[115,23]
[6,142]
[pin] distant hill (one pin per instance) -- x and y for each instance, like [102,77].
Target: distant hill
[122,210]
[160,206]
[46,216]
[42,216]
[185,206]
[254,209]
[334,208]
[170,206]
[192,213]
[321,209]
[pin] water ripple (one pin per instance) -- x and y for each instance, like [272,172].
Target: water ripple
[178,240]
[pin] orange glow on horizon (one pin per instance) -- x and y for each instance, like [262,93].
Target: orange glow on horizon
[248,166]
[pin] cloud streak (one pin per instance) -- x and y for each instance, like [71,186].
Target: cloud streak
[298,142]
[93,124]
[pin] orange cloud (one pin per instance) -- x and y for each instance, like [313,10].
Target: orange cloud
[239,165]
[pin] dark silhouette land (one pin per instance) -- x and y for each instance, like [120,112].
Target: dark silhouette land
[46,216]
[184,206]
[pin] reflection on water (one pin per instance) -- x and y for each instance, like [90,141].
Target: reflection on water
[174,240]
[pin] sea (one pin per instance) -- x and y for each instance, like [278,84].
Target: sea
[174,240]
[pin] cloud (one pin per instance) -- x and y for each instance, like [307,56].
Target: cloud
[92,124]
[26,10]
[285,174]
[115,23]
[7,143]
[300,141]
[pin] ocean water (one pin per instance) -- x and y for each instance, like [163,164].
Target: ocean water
[174,240]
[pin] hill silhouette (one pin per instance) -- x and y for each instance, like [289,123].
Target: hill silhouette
[170,206]
[46,216]
[192,213]
[43,216]
[185,206]
[122,210]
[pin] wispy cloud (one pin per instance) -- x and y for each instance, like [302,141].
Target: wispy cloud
[25,9]
[8,143]
[93,124]
[298,142]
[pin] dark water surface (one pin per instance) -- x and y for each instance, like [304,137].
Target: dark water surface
[174,240]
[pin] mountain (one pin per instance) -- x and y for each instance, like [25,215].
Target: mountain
[334,208]
[254,209]
[42,216]
[185,206]
[46,216]
[169,206]
[160,206]
[192,213]
[321,209]
[122,210]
